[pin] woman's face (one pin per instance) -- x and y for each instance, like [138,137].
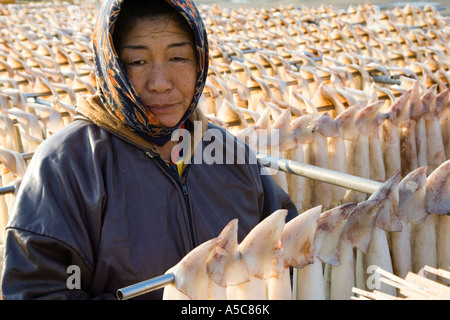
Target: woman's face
[160,60]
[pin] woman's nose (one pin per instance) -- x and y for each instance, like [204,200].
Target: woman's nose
[159,79]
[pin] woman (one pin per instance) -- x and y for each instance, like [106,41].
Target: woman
[111,198]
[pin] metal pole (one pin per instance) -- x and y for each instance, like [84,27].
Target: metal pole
[145,286]
[13,187]
[27,156]
[321,174]
[8,189]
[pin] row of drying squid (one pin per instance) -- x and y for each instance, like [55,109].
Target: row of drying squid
[332,251]
[361,90]
[327,114]
[45,60]
[362,141]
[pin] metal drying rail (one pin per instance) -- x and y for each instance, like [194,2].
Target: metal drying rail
[321,174]
[12,188]
[145,286]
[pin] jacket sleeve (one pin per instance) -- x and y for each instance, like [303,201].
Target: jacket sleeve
[275,197]
[55,222]
[37,267]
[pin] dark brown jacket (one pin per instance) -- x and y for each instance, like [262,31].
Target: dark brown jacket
[93,199]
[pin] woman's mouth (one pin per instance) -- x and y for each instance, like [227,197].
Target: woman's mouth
[161,108]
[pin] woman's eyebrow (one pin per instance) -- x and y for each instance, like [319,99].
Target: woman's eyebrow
[143,47]
[180,44]
[135,47]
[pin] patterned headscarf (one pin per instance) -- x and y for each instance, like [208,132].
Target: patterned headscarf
[114,86]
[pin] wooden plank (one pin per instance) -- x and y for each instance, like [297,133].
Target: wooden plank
[429,287]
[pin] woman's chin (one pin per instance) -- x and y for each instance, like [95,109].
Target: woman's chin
[169,123]
[167,119]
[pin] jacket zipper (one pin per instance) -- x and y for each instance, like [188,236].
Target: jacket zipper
[181,182]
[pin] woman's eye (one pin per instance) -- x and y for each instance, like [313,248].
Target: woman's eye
[177,59]
[136,63]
